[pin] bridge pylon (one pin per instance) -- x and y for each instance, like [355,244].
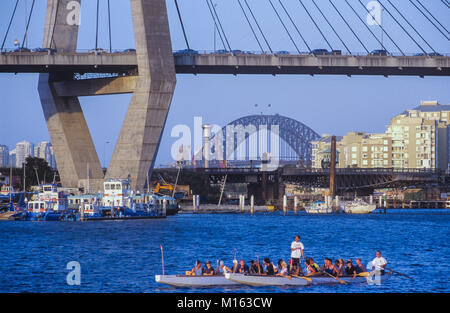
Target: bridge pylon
[152,85]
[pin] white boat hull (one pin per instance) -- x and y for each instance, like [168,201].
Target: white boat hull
[363,209]
[193,281]
[259,280]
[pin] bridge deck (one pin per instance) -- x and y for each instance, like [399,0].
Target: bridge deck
[33,62]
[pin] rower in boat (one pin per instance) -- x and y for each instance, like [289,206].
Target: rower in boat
[209,270]
[282,268]
[242,268]
[269,268]
[295,269]
[350,268]
[360,268]
[379,263]
[339,264]
[329,268]
[255,267]
[312,268]
[222,269]
[197,270]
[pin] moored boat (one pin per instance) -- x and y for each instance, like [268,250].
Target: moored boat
[358,206]
[319,207]
[194,281]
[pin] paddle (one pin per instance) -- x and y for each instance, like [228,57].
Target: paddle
[162,258]
[234,261]
[363,274]
[398,273]
[302,277]
[339,280]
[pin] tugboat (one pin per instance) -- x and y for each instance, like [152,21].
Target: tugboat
[50,205]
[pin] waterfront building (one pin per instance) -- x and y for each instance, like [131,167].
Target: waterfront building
[12,158]
[417,138]
[4,156]
[44,150]
[24,149]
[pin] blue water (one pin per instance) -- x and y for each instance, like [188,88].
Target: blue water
[124,256]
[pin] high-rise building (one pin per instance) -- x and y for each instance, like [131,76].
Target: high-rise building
[418,138]
[4,156]
[24,149]
[44,150]
[12,158]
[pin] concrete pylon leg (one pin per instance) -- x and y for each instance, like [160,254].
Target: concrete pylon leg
[74,150]
[139,139]
[72,143]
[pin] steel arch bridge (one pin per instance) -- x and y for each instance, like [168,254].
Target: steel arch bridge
[291,134]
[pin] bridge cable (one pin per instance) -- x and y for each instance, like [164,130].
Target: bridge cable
[365,24]
[251,27]
[331,27]
[398,11]
[109,27]
[215,24]
[182,25]
[282,23]
[293,23]
[220,24]
[379,1]
[429,20]
[317,26]
[28,24]
[423,6]
[96,25]
[257,24]
[9,25]
[446,3]
[382,28]
[349,26]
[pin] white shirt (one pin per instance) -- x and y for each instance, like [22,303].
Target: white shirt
[296,253]
[378,262]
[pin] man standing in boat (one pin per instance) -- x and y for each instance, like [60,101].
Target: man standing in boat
[297,251]
[379,263]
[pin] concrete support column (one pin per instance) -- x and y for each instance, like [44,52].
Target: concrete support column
[139,139]
[75,153]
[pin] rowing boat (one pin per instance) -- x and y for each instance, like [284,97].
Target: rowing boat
[260,280]
[193,281]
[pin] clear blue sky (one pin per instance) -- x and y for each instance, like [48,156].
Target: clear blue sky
[328,104]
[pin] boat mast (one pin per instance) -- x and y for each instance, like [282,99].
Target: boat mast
[10,182]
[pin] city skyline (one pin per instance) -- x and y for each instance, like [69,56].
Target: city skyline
[16,155]
[323,103]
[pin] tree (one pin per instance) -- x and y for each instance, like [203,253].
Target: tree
[38,168]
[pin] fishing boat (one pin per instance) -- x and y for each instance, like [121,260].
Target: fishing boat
[194,281]
[358,206]
[260,280]
[319,207]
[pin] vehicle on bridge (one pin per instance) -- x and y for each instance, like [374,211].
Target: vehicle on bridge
[46,50]
[282,53]
[379,52]
[186,52]
[321,52]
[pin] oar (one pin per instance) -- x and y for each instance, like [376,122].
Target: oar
[399,273]
[339,280]
[363,274]
[302,277]
[234,263]
[162,258]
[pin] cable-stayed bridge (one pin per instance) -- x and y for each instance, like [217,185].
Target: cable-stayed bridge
[149,71]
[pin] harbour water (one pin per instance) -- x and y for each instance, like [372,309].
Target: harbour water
[124,256]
